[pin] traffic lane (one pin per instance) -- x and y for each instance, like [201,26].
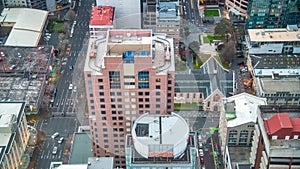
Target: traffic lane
[208,155]
[47,155]
[63,125]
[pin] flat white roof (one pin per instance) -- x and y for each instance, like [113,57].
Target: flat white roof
[246,106]
[73,166]
[273,35]
[27,28]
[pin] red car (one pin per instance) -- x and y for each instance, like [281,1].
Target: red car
[201,160]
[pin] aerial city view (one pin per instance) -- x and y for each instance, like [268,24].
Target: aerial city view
[150,84]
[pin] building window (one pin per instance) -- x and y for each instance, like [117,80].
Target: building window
[92,107]
[147,93]
[101,87]
[102,100]
[102,106]
[112,100]
[88,75]
[101,93]
[169,81]
[147,99]
[113,112]
[143,79]
[141,99]
[114,79]
[157,86]
[119,93]
[89,82]
[103,112]
[157,106]
[157,99]
[141,106]
[112,93]
[140,93]
[119,99]
[157,93]
[103,118]
[100,80]
[113,106]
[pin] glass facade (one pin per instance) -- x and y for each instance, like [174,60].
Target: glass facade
[273,13]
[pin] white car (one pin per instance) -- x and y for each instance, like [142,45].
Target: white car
[201,153]
[55,135]
[75,89]
[54,151]
[63,63]
[70,86]
[60,140]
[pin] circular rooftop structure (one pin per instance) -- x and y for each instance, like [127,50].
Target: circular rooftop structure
[160,135]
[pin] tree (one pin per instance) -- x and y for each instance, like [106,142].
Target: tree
[194,49]
[70,15]
[186,31]
[224,27]
[228,52]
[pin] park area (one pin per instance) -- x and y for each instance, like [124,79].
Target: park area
[209,38]
[212,12]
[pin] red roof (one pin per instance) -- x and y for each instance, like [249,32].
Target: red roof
[102,15]
[296,124]
[277,122]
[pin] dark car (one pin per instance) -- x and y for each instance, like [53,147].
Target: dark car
[201,160]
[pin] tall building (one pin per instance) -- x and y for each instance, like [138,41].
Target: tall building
[161,141]
[13,133]
[276,141]
[163,16]
[127,73]
[273,13]
[127,14]
[238,8]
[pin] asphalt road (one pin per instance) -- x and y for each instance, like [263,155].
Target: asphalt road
[65,127]
[66,99]
[203,121]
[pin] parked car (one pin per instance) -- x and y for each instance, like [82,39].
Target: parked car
[55,135]
[201,160]
[75,89]
[70,67]
[54,151]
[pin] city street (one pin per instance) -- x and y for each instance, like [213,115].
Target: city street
[65,126]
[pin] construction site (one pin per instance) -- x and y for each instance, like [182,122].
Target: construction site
[24,74]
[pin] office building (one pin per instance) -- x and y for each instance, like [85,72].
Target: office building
[127,13]
[273,41]
[273,13]
[276,141]
[161,141]
[36,4]
[13,133]
[237,119]
[102,19]
[127,73]
[164,17]
[276,77]
[238,8]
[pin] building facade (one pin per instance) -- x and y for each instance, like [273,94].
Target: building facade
[36,4]
[13,133]
[276,138]
[237,119]
[273,13]
[161,141]
[164,17]
[238,7]
[127,73]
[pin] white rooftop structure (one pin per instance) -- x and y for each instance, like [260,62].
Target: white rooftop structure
[128,13]
[27,25]
[274,35]
[246,108]
[160,135]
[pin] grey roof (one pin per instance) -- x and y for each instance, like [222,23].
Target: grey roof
[167,10]
[81,148]
[100,163]
[275,61]
[210,77]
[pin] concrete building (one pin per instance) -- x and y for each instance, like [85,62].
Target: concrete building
[92,163]
[25,25]
[23,75]
[271,72]
[161,141]
[102,19]
[238,7]
[35,4]
[208,85]
[276,141]
[237,119]
[273,13]
[127,73]
[164,17]
[273,41]
[127,13]
[13,133]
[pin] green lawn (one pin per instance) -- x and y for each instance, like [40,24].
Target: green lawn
[58,27]
[180,65]
[209,38]
[55,25]
[187,106]
[212,12]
